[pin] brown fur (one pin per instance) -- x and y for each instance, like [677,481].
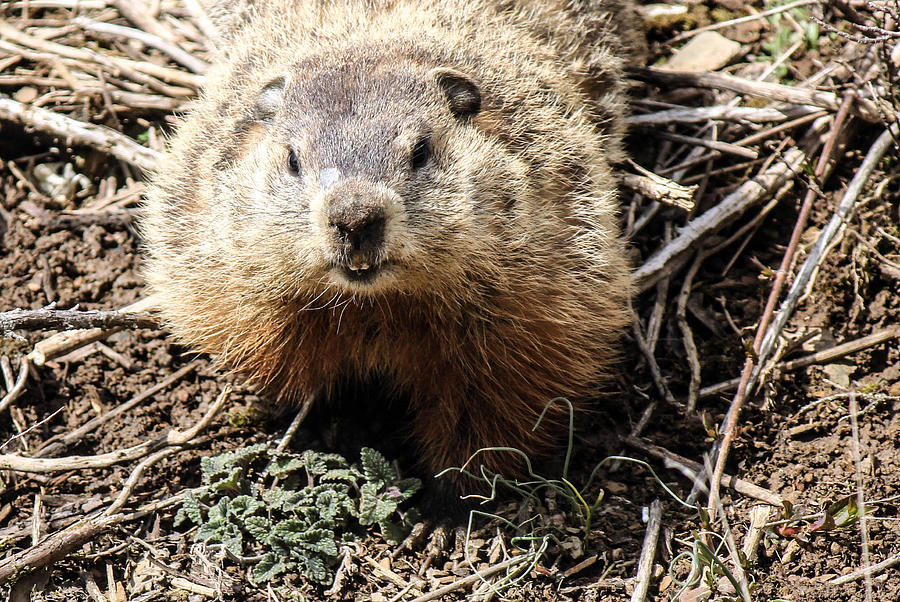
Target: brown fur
[503,281]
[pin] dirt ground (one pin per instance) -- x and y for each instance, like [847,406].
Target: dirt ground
[796,438]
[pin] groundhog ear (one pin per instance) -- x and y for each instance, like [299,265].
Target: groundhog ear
[462,93]
[269,99]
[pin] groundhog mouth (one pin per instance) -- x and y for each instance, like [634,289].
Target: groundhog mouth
[361,276]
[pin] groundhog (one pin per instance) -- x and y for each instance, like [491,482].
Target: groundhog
[414,191]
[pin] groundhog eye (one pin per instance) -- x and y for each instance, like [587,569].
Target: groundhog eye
[293,163]
[421,152]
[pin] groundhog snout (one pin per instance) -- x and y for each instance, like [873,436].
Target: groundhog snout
[357,224]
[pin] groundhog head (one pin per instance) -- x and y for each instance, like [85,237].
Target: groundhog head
[373,175]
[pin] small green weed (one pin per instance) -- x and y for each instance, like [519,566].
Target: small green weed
[786,33]
[287,512]
[541,532]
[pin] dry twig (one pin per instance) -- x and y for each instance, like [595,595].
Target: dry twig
[826,239]
[648,553]
[18,387]
[77,132]
[860,495]
[733,206]
[695,469]
[819,357]
[68,319]
[472,579]
[178,54]
[58,545]
[62,343]
[723,113]
[658,188]
[54,446]
[777,92]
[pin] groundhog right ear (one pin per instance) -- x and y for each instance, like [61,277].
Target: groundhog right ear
[269,100]
[462,93]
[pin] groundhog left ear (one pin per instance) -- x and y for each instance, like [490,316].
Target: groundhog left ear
[462,93]
[269,100]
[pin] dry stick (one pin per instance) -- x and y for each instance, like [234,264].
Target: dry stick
[887,563]
[706,173]
[341,572]
[467,581]
[728,210]
[819,357]
[687,335]
[68,220]
[728,429]
[822,171]
[749,228]
[884,260]
[655,372]
[179,55]
[48,465]
[19,387]
[843,349]
[737,563]
[32,427]
[827,237]
[91,587]
[67,319]
[860,497]
[139,81]
[134,68]
[202,21]
[389,575]
[658,188]
[133,100]
[138,13]
[722,147]
[192,587]
[648,553]
[759,516]
[781,127]
[695,468]
[295,424]
[177,440]
[62,343]
[53,447]
[722,113]
[62,62]
[58,545]
[655,321]
[778,92]
[755,17]
[78,132]
[9,379]
[173,438]
[68,4]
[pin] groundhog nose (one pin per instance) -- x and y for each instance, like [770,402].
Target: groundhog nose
[360,230]
[357,225]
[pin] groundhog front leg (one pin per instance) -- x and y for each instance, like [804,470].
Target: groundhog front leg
[449,435]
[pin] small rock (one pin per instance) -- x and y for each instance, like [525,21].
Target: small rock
[707,51]
[26,94]
[663,15]
[839,374]
[895,389]
[615,488]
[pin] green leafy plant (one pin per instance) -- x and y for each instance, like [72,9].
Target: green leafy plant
[288,512]
[789,28]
